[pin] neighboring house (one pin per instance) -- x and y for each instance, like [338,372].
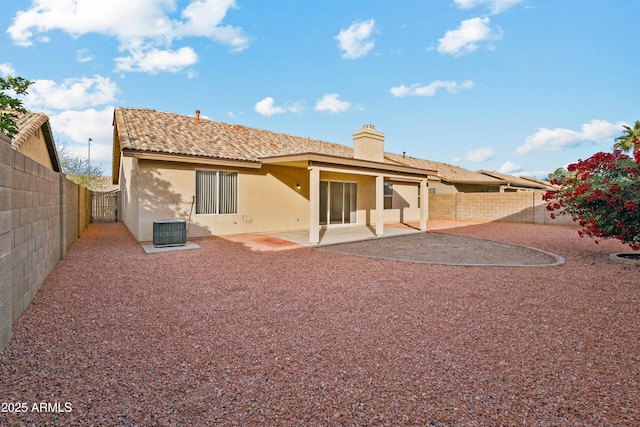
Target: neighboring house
[449,178]
[103,184]
[35,139]
[227,179]
[522,183]
[454,179]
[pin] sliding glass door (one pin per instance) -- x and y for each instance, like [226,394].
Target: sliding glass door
[338,202]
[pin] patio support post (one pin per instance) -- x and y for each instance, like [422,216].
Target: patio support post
[379,205]
[424,205]
[314,205]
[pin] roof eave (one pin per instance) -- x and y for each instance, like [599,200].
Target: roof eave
[474,181]
[343,161]
[51,146]
[185,158]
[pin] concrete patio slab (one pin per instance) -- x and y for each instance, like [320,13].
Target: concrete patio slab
[150,249]
[344,234]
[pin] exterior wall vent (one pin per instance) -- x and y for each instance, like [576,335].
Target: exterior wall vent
[169,232]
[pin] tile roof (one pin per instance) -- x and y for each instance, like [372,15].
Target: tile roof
[28,124]
[446,172]
[543,182]
[518,181]
[149,130]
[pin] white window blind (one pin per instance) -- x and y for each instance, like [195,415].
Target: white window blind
[216,192]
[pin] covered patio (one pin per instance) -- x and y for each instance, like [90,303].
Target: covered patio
[345,234]
[371,177]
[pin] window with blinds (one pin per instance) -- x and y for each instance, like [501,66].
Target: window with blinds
[216,192]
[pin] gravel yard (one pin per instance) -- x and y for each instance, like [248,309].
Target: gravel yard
[442,248]
[226,335]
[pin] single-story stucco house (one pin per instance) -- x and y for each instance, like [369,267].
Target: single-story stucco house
[450,178]
[455,179]
[35,139]
[518,183]
[227,179]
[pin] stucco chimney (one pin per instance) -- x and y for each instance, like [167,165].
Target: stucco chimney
[368,144]
[197,116]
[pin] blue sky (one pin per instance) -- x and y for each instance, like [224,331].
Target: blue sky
[517,86]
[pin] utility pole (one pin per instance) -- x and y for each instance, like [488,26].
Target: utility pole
[89,165]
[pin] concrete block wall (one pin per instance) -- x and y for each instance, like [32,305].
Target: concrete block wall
[35,210]
[524,207]
[6,241]
[35,218]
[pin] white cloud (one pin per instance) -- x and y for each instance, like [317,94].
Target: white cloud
[144,28]
[267,107]
[467,37]
[156,60]
[332,104]
[480,155]
[430,89]
[79,126]
[496,6]
[124,19]
[560,138]
[83,55]
[7,70]
[297,108]
[202,18]
[510,168]
[75,93]
[355,41]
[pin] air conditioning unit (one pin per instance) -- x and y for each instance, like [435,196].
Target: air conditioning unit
[169,232]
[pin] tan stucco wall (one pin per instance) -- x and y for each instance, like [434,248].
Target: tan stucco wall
[446,188]
[268,198]
[36,149]
[441,187]
[129,194]
[405,203]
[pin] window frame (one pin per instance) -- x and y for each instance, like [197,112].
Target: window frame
[388,185]
[221,189]
[326,213]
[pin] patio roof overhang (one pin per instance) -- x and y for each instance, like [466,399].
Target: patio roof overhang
[348,165]
[323,162]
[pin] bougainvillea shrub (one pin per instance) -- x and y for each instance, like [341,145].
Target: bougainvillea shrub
[602,194]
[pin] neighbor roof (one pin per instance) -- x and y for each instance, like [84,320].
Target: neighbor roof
[446,172]
[28,124]
[518,181]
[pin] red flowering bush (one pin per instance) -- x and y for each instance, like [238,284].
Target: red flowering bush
[602,194]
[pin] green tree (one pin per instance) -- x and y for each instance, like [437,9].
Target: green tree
[629,139]
[602,194]
[10,105]
[77,169]
[558,174]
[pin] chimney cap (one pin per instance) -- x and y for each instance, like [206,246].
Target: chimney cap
[368,126]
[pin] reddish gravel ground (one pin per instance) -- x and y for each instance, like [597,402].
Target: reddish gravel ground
[226,335]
